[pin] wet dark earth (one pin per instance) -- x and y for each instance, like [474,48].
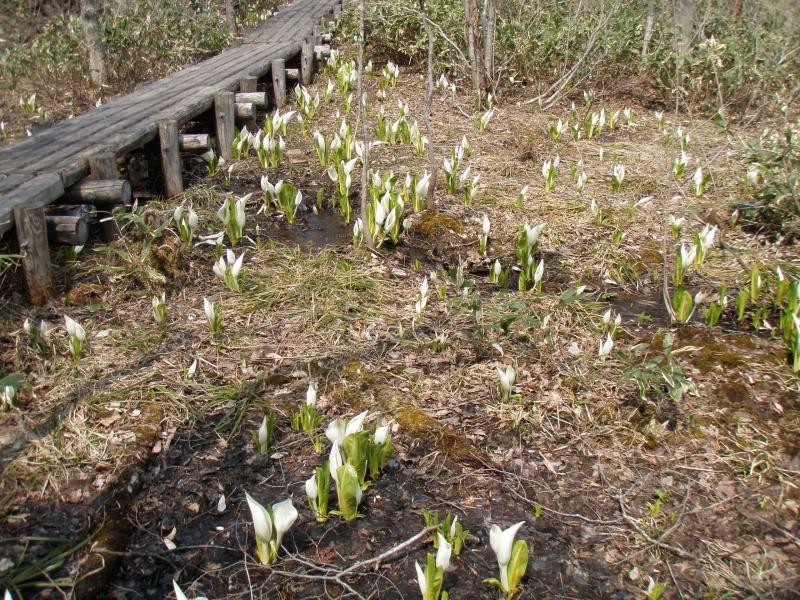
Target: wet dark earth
[214,554]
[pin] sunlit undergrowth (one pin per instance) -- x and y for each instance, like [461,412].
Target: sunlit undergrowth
[749,58]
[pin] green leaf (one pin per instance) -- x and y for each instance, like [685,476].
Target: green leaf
[356,451]
[518,564]
[434,577]
[15,380]
[494,581]
[682,304]
[347,490]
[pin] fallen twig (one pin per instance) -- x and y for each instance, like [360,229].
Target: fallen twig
[656,542]
[335,575]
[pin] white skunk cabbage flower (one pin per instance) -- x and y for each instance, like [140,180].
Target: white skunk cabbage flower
[75,329]
[537,275]
[335,461]
[338,430]
[507,378]
[382,434]
[606,346]
[262,524]
[421,189]
[284,514]
[502,542]
[444,553]
[311,396]
[311,488]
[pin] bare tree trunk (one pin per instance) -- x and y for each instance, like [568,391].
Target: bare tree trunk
[230,17]
[648,27]
[472,15]
[431,202]
[490,12]
[685,14]
[90,23]
[362,109]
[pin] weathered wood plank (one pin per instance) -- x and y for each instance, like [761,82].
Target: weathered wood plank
[128,122]
[35,193]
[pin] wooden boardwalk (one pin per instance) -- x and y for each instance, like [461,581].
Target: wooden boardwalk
[36,171]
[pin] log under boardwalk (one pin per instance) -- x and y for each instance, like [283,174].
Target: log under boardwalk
[54,164]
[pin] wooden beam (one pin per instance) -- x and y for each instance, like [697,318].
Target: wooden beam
[279,81]
[322,51]
[225,112]
[70,230]
[101,192]
[36,267]
[244,110]
[194,142]
[254,98]
[306,62]
[170,157]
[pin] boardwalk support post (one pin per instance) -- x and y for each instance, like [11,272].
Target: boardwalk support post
[279,81]
[249,85]
[170,157]
[306,62]
[104,167]
[35,250]
[224,111]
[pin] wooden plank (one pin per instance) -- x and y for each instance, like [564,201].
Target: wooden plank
[35,250]
[244,110]
[170,158]
[132,120]
[94,126]
[224,113]
[35,193]
[86,131]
